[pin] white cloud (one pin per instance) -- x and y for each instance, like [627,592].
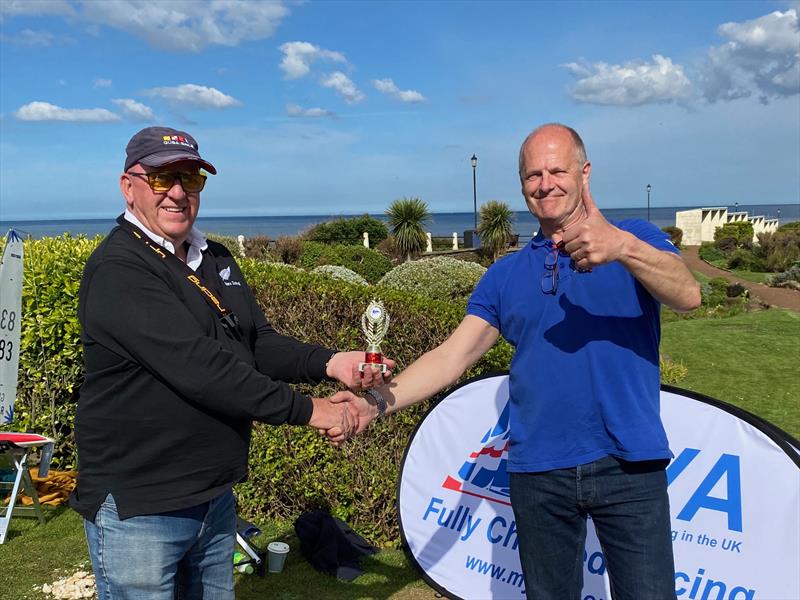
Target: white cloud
[344,85]
[295,110]
[189,26]
[133,110]
[29,37]
[298,56]
[44,111]
[13,8]
[101,83]
[189,94]
[632,84]
[761,55]
[387,86]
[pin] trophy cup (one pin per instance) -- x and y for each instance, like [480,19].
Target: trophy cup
[374,323]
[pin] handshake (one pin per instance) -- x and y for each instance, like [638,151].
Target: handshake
[345,414]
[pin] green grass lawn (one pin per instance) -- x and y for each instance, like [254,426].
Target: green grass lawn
[754,276]
[749,360]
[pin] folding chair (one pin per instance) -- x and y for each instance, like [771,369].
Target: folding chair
[244,531]
[15,450]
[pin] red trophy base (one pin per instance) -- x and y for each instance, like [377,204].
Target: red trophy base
[373,360]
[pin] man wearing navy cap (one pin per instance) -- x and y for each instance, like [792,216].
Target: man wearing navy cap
[179,361]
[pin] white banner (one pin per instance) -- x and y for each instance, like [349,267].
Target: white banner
[10,315]
[734,495]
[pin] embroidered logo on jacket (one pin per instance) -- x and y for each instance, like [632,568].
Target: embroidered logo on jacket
[225,275]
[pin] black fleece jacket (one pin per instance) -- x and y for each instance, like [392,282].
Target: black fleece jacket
[165,411]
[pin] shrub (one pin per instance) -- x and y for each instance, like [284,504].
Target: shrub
[745,260]
[288,249]
[741,231]
[230,242]
[349,231]
[714,292]
[779,250]
[440,278]
[710,253]
[785,279]
[257,247]
[369,264]
[675,234]
[342,273]
[726,245]
[51,358]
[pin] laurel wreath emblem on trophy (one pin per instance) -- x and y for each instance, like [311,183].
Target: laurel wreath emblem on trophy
[375,323]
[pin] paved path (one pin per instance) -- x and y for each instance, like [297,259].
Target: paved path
[778,297]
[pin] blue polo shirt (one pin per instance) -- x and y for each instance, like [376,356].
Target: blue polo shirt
[584,380]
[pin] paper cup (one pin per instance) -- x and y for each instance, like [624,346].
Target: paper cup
[277,552]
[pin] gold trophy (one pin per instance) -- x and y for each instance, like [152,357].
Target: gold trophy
[374,323]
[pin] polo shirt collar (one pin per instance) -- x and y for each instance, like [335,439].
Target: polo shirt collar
[197,241]
[540,240]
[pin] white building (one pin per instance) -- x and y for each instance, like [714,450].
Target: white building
[698,224]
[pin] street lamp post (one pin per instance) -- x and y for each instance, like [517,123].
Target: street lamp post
[648,188]
[474,161]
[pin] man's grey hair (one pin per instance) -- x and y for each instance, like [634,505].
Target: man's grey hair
[580,149]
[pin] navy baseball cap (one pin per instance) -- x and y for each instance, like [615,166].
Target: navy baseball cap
[159,146]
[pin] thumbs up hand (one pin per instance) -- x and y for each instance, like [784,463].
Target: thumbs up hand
[592,241]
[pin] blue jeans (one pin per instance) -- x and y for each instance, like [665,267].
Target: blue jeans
[139,558]
[629,506]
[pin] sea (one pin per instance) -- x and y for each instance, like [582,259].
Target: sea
[440,225]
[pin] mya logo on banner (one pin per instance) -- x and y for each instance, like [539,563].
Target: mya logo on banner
[483,473]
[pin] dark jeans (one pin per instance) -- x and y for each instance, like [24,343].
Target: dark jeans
[629,506]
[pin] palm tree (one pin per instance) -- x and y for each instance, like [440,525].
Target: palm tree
[496,227]
[407,218]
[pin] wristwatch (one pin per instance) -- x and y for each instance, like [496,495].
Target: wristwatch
[380,401]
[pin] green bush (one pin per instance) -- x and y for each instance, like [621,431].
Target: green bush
[230,242]
[726,245]
[257,247]
[710,253]
[745,260]
[288,249]
[675,234]
[787,277]
[368,263]
[779,250]
[51,358]
[741,231]
[349,231]
[342,273]
[440,278]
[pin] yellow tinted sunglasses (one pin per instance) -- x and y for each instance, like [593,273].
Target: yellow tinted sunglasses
[162,181]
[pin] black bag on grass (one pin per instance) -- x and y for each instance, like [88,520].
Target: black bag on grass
[330,545]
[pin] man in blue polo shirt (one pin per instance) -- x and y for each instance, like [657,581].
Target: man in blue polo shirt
[580,304]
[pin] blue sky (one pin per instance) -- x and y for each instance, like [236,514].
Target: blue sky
[341,107]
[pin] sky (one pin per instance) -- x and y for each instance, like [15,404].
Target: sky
[334,108]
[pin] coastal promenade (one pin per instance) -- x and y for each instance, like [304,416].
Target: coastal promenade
[776,297]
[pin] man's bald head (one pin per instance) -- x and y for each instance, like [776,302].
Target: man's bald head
[577,142]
